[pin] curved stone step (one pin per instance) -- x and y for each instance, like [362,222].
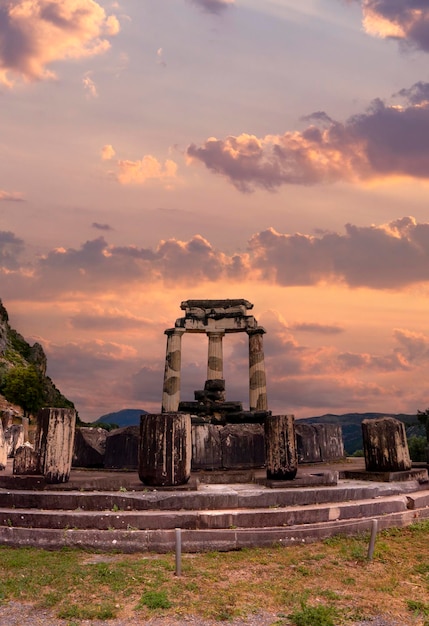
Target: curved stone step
[162,541]
[207,497]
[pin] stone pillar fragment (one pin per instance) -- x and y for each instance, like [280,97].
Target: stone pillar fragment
[385,445]
[215,356]
[281,456]
[3,448]
[257,380]
[165,449]
[55,437]
[26,460]
[173,361]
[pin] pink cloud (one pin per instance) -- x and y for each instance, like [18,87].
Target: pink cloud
[406,21]
[386,141]
[36,33]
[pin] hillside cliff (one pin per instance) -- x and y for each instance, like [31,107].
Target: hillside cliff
[19,358]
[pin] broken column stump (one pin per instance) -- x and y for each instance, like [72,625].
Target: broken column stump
[3,449]
[165,449]
[55,437]
[385,445]
[281,456]
[26,460]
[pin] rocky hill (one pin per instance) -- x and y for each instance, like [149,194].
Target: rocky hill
[23,366]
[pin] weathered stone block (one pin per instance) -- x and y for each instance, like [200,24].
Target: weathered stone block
[308,448]
[206,446]
[26,460]
[385,445]
[89,447]
[3,449]
[242,446]
[165,449]
[280,445]
[330,440]
[122,448]
[55,436]
[14,436]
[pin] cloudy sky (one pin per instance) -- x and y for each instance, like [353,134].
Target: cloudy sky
[154,151]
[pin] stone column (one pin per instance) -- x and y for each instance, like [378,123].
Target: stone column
[385,445]
[173,361]
[55,437]
[165,449]
[257,380]
[215,355]
[281,456]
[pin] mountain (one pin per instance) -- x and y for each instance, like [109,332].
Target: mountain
[126,417]
[24,385]
[351,424]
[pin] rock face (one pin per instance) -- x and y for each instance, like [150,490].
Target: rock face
[280,445]
[89,447]
[385,445]
[122,448]
[165,449]
[55,437]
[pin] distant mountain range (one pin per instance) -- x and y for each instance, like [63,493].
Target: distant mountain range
[126,417]
[351,423]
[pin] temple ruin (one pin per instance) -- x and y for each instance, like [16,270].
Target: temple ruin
[216,318]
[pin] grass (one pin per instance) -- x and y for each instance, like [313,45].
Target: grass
[318,584]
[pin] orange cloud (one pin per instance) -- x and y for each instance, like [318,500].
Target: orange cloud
[407,20]
[386,141]
[35,33]
[148,168]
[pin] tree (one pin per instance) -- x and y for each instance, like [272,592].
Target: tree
[423,417]
[24,386]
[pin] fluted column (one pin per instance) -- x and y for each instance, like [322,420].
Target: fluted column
[215,355]
[257,380]
[173,362]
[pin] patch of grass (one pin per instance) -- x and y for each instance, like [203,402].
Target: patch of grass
[78,611]
[153,600]
[418,607]
[320,615]
[298,580]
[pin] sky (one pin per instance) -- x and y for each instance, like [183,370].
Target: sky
[155,151]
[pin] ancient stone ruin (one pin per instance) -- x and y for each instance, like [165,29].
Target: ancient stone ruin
[215,319]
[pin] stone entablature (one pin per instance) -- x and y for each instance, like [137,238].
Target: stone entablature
[229,316]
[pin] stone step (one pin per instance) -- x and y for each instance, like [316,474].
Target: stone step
[214,519]
[199,540]
[207,497]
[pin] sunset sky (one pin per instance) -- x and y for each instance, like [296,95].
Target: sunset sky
[154,151]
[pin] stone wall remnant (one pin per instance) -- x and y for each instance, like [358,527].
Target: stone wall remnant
[122,448]
[89,447]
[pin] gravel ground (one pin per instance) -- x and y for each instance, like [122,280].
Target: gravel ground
[19,614]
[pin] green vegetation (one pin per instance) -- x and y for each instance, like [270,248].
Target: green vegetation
[24,386]
[319,584]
